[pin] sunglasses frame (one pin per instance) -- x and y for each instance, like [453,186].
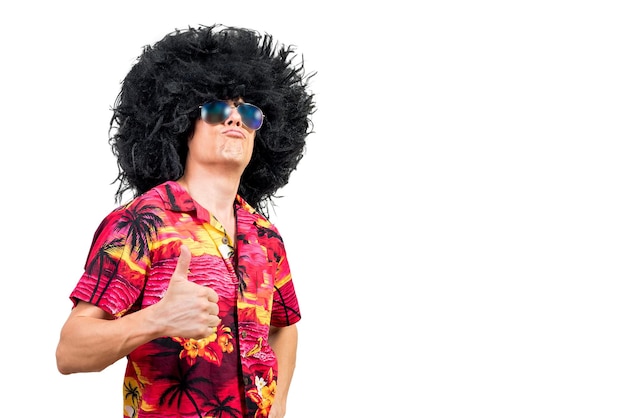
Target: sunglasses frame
[230,107]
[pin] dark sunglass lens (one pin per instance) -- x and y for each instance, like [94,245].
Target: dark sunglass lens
[251,115]
[215,112]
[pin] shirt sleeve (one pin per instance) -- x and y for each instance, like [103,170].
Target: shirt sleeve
[115,269]
[285,307]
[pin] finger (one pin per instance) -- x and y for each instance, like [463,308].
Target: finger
[182,265]
[214,321]
[212,295]
[214,309]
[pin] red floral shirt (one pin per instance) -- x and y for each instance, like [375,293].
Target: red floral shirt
[134,252]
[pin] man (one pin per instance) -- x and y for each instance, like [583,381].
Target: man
[190,280]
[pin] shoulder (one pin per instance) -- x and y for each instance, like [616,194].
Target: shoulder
[165,196]
[152,203]
[253,219]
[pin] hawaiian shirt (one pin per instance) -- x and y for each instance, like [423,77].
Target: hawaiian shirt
[232,373]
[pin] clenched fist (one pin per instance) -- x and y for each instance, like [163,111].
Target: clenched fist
[188,310]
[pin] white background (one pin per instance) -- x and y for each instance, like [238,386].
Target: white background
[456,229]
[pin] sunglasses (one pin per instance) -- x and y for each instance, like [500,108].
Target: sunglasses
[218,111]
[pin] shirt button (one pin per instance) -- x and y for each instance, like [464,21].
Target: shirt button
[224,240]
[244,334]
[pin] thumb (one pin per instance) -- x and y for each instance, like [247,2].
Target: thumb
[182,266]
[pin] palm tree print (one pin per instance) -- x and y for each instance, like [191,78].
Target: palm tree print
[221,408]
[183,386]
[103,257]
[131,390]
[142,223]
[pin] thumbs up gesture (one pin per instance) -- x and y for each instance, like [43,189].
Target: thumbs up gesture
[188,310]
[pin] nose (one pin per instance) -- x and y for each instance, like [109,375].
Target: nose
[234,117]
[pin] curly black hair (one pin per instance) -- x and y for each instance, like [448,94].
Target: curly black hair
[157,106]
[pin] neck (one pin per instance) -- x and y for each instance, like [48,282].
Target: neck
[216,195]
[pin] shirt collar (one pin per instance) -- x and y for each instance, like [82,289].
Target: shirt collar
[176,198]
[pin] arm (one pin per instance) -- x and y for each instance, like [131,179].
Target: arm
[284,342]
[92,339]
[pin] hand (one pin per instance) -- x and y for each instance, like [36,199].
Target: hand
[277,411]
[187,310]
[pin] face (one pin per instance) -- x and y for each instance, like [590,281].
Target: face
[228,143]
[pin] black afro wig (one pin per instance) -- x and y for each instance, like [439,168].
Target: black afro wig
[155,111]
